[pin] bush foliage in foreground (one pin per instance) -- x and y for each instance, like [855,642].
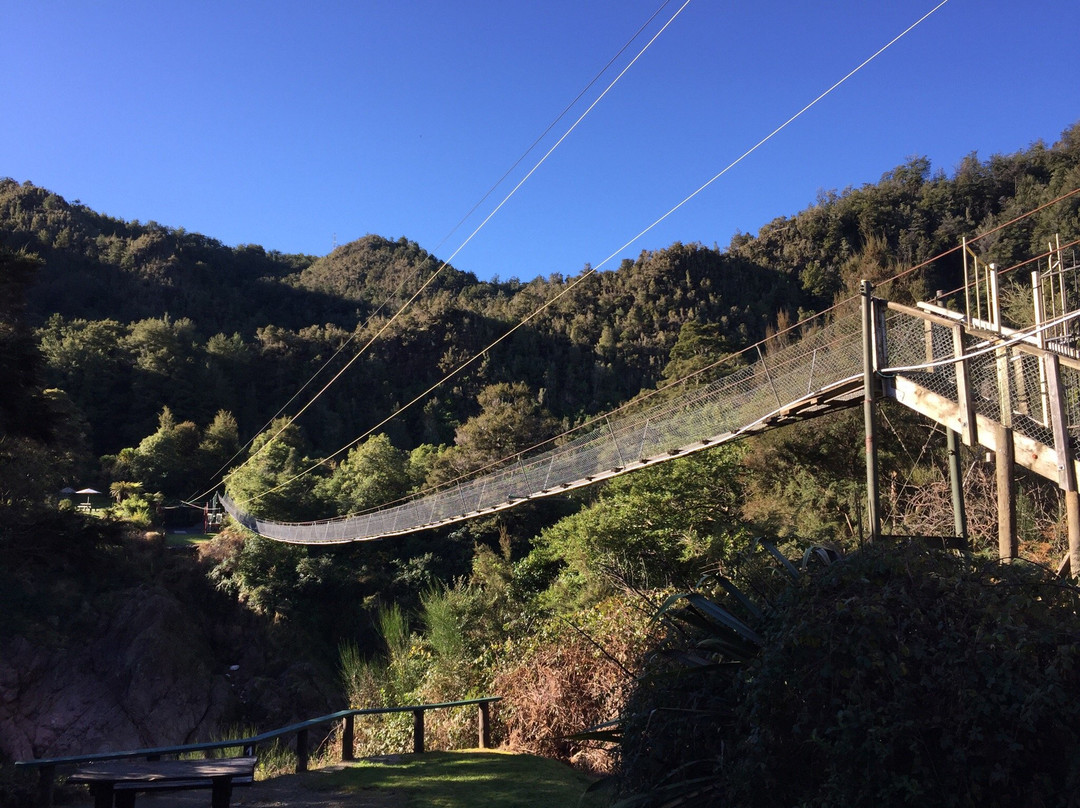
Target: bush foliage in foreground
[895,676]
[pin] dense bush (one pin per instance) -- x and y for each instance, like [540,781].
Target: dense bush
[571,675]
[895,676]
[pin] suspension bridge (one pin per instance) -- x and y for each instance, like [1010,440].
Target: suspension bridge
[1012,388]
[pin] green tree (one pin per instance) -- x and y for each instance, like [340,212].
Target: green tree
[122,489]
[21,410]
[230,380]
[271,482]
[421,461]
[511,420]
[372,474]
[698,350]
[651,529]
[809,483]
[168,460]
[219,446]
[263,574]
[33,458]
[73,456]
[88,361]
[165,367]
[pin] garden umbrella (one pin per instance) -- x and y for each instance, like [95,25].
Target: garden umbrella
[89,492]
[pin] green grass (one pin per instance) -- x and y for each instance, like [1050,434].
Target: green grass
[180,539]
[466,780]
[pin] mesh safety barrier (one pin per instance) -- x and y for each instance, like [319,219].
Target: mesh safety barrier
[1007,376]
[1004,378]
[822,358]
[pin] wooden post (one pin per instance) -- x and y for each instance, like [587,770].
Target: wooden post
[1053,414]
[1072,518]
[956,484]
[869,419]
[418,731]
[484,725]
[1066,466]
[301,750]
[1005,459]
[968,421]
[994,290]
[104,795]
[347,750]
[220,792]
[1040,338]
[46,785]
[1005,462]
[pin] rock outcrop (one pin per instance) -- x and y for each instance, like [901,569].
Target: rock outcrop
[142,675]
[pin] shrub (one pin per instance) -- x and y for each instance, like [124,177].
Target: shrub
[18,789]
[570,677]
[382,682]
[135,509]
[896,676]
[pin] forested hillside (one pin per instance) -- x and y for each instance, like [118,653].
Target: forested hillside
[160,314]
[141,358]
[151,314]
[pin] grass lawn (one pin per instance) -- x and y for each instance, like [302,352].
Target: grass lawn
[180,539]
[468,779]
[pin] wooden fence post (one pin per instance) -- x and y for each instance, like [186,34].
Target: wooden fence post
[956,485]
[1066,468]
[46,782]
[484,725]
[1005,460]
[347,751]
[964,393]
[418,731]
[301,750]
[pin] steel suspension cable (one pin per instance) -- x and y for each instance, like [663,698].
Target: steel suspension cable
[613,255]
[446,262]
[639,400]
[554,123]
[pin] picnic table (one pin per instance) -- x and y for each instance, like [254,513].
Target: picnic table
[125,778]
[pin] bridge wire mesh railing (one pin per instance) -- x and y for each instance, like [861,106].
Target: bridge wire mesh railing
[823,357]
[914,341]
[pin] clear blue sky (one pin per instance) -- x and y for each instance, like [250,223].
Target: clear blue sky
[295,124]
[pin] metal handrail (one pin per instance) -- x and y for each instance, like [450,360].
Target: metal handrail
[47,766]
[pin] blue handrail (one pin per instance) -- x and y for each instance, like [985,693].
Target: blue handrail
[47,766]
[253,740]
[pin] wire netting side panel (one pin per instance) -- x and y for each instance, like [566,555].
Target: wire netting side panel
[744,396]
[1030,405]
[1070,380]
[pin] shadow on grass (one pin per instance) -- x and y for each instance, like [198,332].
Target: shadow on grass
[467,779]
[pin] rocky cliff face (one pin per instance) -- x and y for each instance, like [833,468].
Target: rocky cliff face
[144,676]
[164,659]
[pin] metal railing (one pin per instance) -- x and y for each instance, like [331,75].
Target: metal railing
[767,384]
[49,767]
[969,379]
[813,365]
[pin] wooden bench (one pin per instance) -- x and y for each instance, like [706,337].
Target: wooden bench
[126,778]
